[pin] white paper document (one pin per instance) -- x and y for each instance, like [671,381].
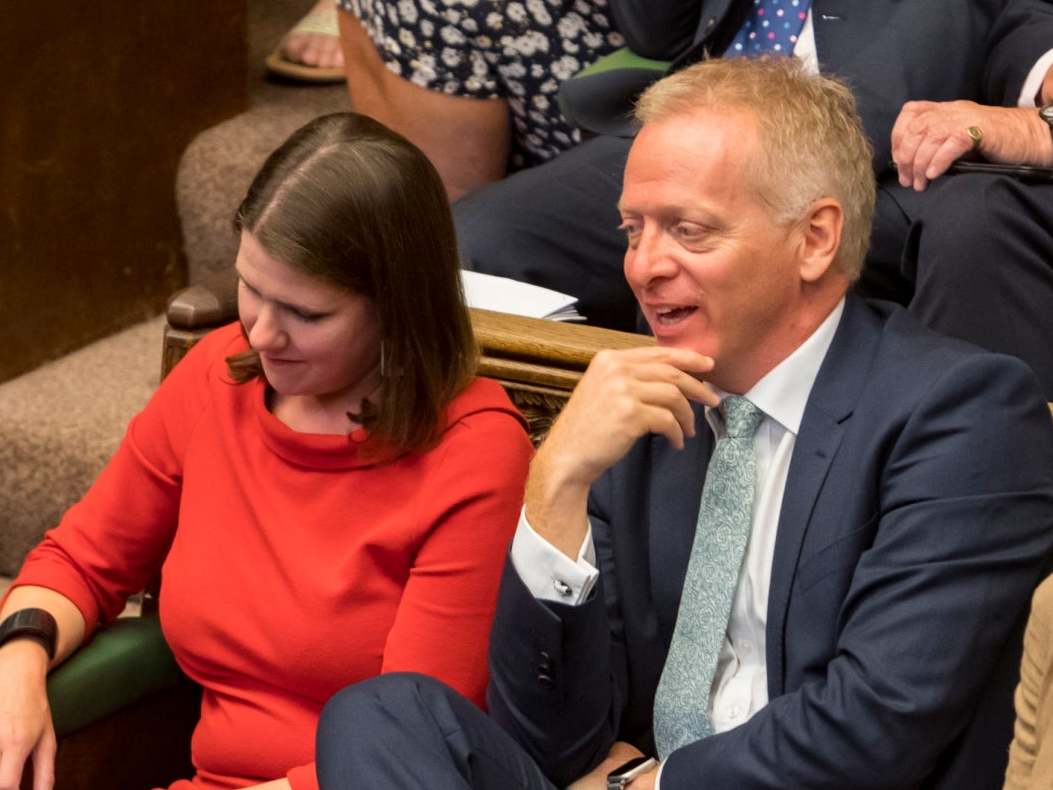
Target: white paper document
[490,292]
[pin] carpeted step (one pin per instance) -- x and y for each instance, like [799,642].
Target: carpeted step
[217,167]
[60,423]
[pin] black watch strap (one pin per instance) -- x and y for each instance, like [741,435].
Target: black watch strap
[35,624]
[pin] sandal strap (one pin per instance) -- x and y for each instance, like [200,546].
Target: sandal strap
[320,20]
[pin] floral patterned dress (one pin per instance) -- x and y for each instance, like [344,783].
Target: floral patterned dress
[486,49]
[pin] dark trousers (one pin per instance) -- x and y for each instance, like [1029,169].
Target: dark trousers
[972,256]
[403,731]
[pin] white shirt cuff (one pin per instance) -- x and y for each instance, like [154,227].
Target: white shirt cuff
[547,572]
[658,777]
[1033,83]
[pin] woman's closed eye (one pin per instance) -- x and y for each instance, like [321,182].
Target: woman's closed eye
[307,316]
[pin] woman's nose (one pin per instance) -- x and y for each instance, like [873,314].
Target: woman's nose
[266,332]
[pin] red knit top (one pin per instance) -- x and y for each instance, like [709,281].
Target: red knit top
[294,566]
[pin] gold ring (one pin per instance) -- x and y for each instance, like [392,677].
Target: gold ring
[976,134]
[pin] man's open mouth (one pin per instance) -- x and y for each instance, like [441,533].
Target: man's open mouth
[672,315]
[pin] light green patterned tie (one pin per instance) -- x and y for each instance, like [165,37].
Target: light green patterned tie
[725,516]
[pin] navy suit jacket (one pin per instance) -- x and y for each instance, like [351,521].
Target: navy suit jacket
[916,521]
[889,52]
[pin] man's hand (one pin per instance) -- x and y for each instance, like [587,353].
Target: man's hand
[622,396]
[928,136]
[277,784]
[621,752]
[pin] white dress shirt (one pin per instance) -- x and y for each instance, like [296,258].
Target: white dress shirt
[740,684]
[1033,83]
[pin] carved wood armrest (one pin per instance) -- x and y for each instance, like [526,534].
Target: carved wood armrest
[195,311]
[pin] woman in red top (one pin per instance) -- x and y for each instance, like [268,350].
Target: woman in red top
[326,486]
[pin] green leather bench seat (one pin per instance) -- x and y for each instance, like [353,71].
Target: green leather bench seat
[122,664]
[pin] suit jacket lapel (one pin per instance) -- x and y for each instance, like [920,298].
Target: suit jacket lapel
[676,490]
[834,395]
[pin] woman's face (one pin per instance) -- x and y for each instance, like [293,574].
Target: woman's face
[315,339]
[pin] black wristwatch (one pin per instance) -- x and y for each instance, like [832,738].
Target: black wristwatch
[35,624]
[622,776]
[1046,114]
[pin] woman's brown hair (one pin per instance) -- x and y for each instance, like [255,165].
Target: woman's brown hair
[349,201]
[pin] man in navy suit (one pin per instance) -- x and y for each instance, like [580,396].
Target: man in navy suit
[972,254]
[899,517]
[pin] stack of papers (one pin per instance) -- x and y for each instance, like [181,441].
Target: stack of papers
[490,292]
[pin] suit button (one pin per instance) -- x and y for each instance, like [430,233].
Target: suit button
[545,681]
[711,22]
[544,666]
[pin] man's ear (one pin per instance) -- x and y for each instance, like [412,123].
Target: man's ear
[820,238]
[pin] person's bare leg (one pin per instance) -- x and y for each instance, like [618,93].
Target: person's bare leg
[466,139]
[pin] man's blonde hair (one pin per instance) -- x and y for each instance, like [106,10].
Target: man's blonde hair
[811,141]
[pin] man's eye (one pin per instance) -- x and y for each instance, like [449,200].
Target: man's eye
[631,231]
[689,232]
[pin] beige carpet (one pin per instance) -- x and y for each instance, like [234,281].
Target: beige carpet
[219,164]
[131,609]
[60,423]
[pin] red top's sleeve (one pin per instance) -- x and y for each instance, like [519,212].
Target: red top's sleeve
[112,542]
[468,510]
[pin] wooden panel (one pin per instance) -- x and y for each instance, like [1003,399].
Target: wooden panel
[99,102]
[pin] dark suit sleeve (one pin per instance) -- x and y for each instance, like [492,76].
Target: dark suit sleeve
[659,29]
[1022,33]
[964,532]
[558,673]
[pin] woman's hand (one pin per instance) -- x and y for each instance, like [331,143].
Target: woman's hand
[25,718]
[277,784]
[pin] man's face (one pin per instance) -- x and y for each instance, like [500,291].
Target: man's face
[711,269]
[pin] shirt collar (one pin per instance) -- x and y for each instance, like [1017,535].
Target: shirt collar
[783,391]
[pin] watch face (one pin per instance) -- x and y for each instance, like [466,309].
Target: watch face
[626,772]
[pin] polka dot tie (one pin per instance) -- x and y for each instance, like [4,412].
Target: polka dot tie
[725,519]
[771,28]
